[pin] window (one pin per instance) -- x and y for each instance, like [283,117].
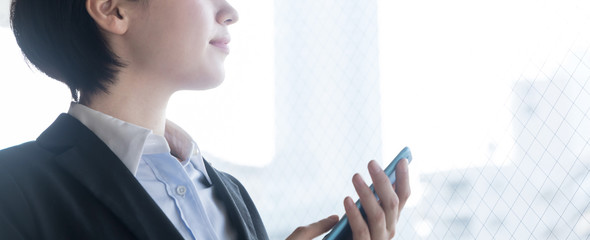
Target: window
[492,97]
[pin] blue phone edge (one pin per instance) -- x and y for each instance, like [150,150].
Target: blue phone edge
[339,228]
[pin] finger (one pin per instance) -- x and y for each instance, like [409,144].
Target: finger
[360,230]
[315,229]
[375,214]
[402,184]
[388,199]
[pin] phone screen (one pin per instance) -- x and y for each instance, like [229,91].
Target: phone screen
[342,230]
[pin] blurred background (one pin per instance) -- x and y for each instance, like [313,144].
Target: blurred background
[491,96]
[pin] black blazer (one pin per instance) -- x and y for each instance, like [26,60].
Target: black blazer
[69,185]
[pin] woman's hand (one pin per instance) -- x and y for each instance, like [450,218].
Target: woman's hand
[315,229]
[382,215]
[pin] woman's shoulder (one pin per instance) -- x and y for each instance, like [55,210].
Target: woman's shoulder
[22,151]
[23,159]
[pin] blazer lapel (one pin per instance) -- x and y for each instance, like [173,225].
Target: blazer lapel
[86,158]
[237,211]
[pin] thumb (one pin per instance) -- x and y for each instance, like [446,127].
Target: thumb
[315,229]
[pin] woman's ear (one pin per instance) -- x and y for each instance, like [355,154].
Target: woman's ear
[109,15]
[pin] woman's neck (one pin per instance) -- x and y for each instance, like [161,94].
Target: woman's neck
[141,104]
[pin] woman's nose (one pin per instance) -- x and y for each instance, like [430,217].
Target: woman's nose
[227,15]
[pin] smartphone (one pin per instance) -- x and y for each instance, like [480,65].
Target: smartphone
[342,230]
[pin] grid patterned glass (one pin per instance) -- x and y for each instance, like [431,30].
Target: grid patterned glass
[337,87]
[533,180]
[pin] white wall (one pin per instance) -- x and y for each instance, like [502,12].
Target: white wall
[4,12]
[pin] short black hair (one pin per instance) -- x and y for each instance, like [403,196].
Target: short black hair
[61,39]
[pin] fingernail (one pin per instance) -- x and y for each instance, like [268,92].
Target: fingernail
[374,167]
[348,203]
[357,180]
[404,167]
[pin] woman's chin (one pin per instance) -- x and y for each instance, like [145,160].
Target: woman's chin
[201,83]
[205,84]
[213,84]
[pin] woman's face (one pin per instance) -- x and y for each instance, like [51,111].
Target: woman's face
[181,42]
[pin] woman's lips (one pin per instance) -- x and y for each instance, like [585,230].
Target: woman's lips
[221,44]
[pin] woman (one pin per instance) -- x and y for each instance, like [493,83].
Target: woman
[114,167]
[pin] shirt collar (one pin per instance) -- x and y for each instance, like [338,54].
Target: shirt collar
[129,141]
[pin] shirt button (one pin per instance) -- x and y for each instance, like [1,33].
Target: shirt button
[181,190]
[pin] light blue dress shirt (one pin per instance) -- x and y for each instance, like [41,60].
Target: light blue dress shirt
[178,183]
